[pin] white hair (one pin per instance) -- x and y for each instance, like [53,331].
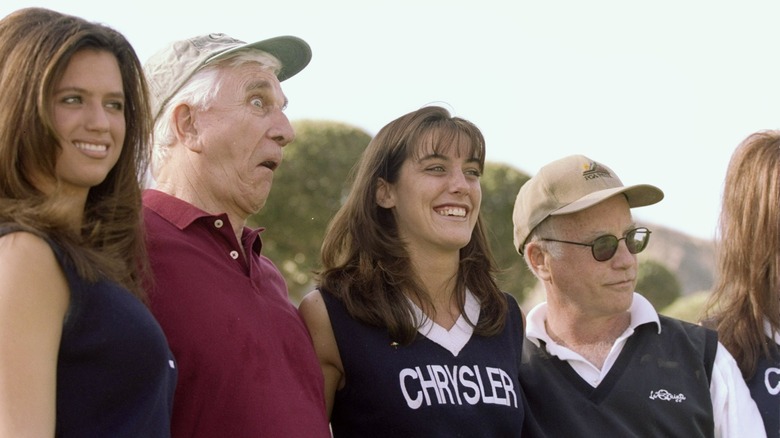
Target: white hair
[199,92]
[545,230]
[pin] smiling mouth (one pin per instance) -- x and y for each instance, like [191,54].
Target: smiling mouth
[91,147]
[452,211]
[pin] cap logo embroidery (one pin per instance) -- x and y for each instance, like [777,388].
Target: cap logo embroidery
[594,170]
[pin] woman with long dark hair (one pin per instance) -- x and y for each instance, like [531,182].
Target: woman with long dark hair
[80,354]
[413,334]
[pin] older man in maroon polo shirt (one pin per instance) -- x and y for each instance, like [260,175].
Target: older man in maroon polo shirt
[246,364]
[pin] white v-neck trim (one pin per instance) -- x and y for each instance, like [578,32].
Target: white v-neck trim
[454,339]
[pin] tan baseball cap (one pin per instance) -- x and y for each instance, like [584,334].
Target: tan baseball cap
[569,185]
[169,69]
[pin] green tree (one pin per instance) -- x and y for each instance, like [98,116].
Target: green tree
[500,184]
[657,283]
[308,189]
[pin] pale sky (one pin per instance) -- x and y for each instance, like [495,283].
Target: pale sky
[659,91]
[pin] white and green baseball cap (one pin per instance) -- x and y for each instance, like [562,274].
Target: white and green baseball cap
[170,68]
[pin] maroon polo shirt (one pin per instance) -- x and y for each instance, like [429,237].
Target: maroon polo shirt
[247,367]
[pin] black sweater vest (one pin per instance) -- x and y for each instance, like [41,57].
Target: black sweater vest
[422,390]
[658,387]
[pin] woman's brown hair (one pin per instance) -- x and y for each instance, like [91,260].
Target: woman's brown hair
[36,46]
[746,291]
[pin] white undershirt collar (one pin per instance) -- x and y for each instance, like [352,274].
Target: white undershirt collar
[454,339]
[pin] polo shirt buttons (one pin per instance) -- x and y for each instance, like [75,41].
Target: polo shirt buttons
[234,254]
[218,223]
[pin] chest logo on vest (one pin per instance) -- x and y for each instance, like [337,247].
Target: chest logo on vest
[440,385]
[665,395]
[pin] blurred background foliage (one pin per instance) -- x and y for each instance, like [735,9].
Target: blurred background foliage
[657,283]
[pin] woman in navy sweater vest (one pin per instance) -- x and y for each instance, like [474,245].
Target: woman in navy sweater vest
[413,334]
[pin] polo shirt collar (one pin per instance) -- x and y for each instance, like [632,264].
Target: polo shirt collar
[182,214]
[178,212]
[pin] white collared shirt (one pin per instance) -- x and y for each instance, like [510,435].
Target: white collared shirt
[734,411]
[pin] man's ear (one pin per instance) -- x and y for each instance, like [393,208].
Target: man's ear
[538,260]
[184,125]
[384,194]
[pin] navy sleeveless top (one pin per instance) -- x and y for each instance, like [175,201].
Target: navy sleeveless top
[422,389]
[115,373]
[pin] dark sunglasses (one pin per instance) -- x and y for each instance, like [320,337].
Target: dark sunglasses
[605,247]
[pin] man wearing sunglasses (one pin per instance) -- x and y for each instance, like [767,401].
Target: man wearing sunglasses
[599,360]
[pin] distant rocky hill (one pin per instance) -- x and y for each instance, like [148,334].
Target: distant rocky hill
[691,259]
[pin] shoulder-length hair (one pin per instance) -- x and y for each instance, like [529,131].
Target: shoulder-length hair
[747,289]
[36,46]
[364,262]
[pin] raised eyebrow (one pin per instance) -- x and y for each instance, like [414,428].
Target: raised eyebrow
[258,85]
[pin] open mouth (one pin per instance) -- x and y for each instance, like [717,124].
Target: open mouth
[270,164]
